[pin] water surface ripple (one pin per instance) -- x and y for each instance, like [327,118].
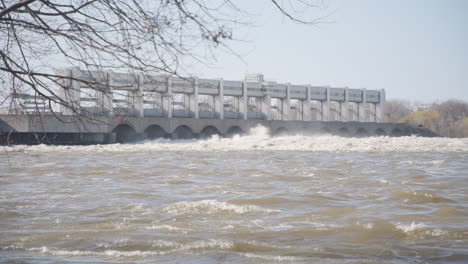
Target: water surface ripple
[252,199]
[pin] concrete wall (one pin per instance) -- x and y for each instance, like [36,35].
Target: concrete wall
[54,124]
[112,129]
[305,127]
[134,99]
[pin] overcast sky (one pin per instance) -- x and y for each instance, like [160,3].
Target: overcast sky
[416,50]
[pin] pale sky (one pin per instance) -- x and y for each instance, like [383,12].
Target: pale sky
[414,49]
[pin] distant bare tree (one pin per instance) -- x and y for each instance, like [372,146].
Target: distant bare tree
[448,118]
[396,109]
[464,127]
[151,36]
[452,109]
[452,113]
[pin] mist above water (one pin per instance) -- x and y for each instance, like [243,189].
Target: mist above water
[259,138]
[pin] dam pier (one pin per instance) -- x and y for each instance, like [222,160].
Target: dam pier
[108,107]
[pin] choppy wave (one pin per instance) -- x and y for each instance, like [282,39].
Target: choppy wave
[124,248]
[296,259]
[419,196]
[252,203]
[270,258]
[167,228]
[107,253]
[412,230]
[259,139]
[263,251]
[449,211]
[213,207]
[249,256]
[157,248]
[411,227]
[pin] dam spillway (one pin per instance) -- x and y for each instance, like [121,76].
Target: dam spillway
[108,107]
[48,129]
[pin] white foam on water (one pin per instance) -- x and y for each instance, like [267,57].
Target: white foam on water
[422,230]
[207,244]
[272,258]
[312,259]
[162,247]
[105,253]
[167,247]
[319,226]
[411,227]
[259,139]
[323,226]
[167,228]
[282,227]
[213,207]
[437,162]
[382,180]
[164,244]
[117,243]
[436,233]
[15,246]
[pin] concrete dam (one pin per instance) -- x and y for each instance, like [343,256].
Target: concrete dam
[108,107]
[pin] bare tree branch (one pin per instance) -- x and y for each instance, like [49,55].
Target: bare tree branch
[151,37]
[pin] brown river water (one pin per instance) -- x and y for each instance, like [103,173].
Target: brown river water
[250,199]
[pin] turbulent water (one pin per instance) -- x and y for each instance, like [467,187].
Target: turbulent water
[251,199]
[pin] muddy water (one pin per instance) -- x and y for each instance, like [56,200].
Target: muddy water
[252,199]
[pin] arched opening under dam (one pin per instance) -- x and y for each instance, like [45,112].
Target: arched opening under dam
[344,132]
[235,130]
[396,132]
[124,133]
[324,130]
[361,132]
[209,131]
[282,131]
[183,132]
[380,132]
[154,132]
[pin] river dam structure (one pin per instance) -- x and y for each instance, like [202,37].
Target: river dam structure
[109,107]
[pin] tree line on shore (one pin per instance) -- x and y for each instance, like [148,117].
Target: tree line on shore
[448,118]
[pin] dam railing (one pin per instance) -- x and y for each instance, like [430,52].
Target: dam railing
[139,95]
